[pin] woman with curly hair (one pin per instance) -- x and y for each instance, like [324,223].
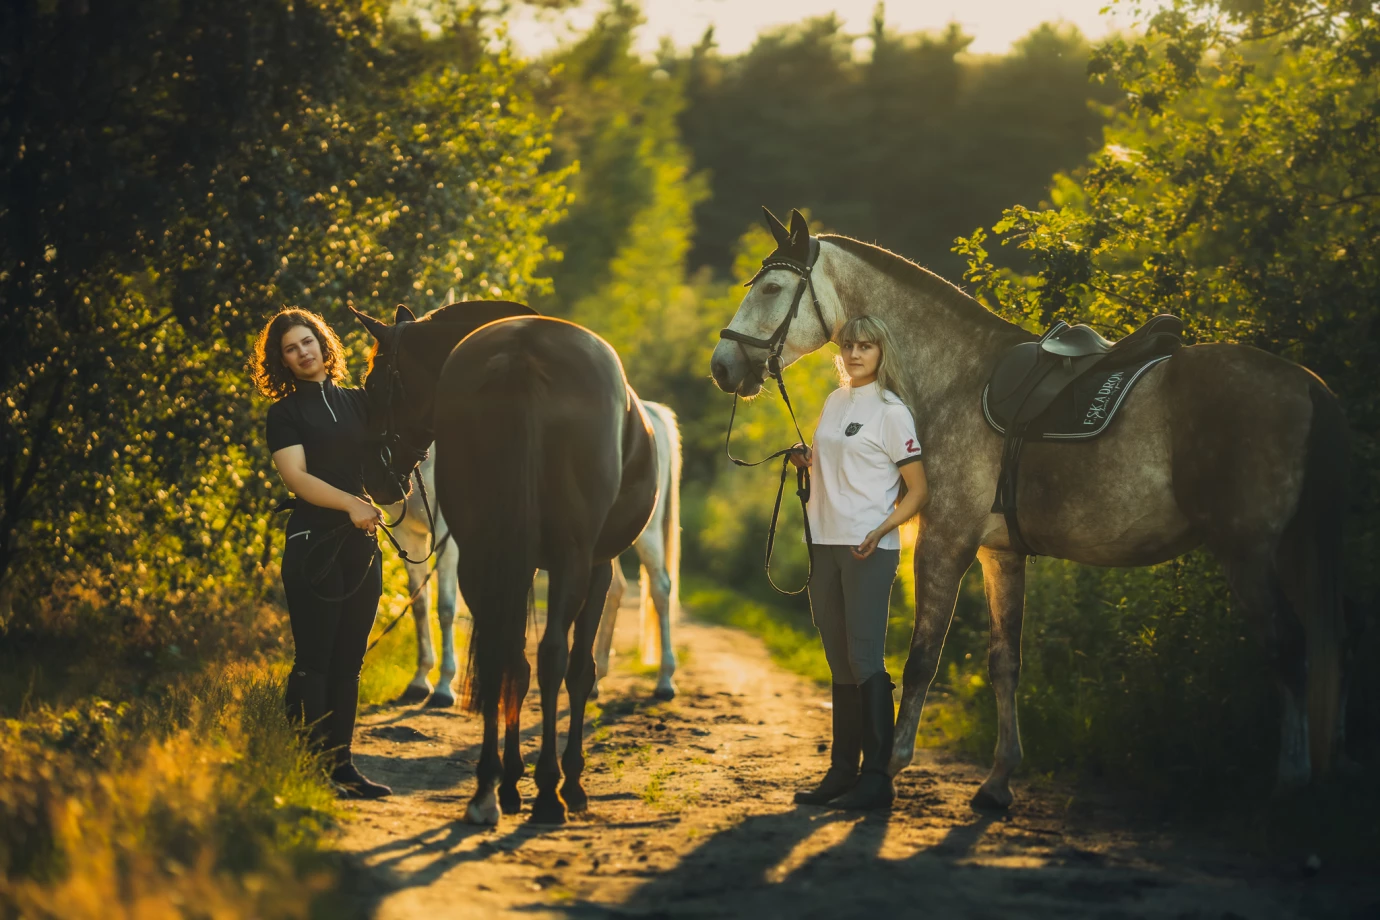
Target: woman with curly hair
[318,432]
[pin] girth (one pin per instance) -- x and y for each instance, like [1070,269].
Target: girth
[1066,386]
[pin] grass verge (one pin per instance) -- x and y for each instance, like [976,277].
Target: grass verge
[198,801]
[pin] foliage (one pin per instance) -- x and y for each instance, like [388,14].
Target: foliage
[1239,190]
[222,160]
[202,799]
[909,146]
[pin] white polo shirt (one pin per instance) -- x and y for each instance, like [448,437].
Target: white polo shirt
[865,435]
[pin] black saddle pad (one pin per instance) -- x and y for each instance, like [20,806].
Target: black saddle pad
[1086,406]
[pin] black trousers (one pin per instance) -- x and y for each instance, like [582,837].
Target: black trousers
[329,635]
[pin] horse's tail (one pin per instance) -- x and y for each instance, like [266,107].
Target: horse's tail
[1314,539]
[667,434]
[503,459]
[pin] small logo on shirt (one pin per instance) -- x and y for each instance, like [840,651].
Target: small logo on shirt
[910,446]
[852,429]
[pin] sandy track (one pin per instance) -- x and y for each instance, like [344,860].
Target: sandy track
[691,816]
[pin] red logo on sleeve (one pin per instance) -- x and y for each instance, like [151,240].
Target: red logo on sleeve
[910,446]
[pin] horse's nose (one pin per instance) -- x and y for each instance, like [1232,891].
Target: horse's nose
[719,369]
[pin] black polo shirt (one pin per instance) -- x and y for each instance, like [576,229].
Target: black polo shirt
[332,425]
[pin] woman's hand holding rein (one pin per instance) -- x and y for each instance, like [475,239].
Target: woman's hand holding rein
[292,467]
[800,456]
[363,514]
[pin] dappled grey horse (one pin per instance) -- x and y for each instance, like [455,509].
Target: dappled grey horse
[1218,445]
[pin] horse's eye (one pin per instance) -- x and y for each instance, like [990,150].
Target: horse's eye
[771,289]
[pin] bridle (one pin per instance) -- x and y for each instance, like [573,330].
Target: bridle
[774,345]
[392,446]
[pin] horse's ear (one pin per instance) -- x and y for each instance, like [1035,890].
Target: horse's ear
[778,229]
[800,231]
[404,315]
[375,327]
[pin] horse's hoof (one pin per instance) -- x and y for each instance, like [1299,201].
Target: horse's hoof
[575,799]
[510,800]
[986,801]
[439,700]
[484,814]
[547,810]
[594,692]
[665,694]
[414,694]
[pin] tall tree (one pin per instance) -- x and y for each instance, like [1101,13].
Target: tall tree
[173,171]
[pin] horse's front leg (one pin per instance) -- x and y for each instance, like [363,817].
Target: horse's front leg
[1003,579]
[938,572]
[578,681]
[419,688]
[446,599]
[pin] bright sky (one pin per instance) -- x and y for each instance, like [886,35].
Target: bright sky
[995,24]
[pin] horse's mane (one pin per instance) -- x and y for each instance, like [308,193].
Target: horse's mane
[903,270]
[459,312]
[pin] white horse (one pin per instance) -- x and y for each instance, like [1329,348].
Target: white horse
[415,536]
[658,549]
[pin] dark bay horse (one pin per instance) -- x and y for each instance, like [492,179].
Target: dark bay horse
[1219,445]
[544,459]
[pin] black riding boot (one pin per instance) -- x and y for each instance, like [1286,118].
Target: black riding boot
[304,699]
[843,752]
[350,783]
[873,788]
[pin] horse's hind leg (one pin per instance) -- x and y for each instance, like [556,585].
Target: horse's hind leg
[603,640]
[578,681]
[483,808]
[569,580]
[1003,578]
[1257,587]
[657,589]
[509,799]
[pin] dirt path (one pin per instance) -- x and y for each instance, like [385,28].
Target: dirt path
[691,816]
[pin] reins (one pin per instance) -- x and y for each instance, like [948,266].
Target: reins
[774,346]
[335,538]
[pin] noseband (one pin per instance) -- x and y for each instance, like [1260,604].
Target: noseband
[774,345]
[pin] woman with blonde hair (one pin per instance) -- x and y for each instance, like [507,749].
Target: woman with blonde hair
[318,433]
[865,449]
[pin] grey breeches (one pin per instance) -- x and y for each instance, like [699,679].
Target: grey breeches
[848,598]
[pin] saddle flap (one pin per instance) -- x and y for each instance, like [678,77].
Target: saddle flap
[1007,386]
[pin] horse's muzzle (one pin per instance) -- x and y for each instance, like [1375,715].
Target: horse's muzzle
[733,372]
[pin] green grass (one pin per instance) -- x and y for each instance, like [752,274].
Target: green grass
[200,795]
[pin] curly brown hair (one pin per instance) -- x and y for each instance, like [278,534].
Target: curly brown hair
[266,367]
